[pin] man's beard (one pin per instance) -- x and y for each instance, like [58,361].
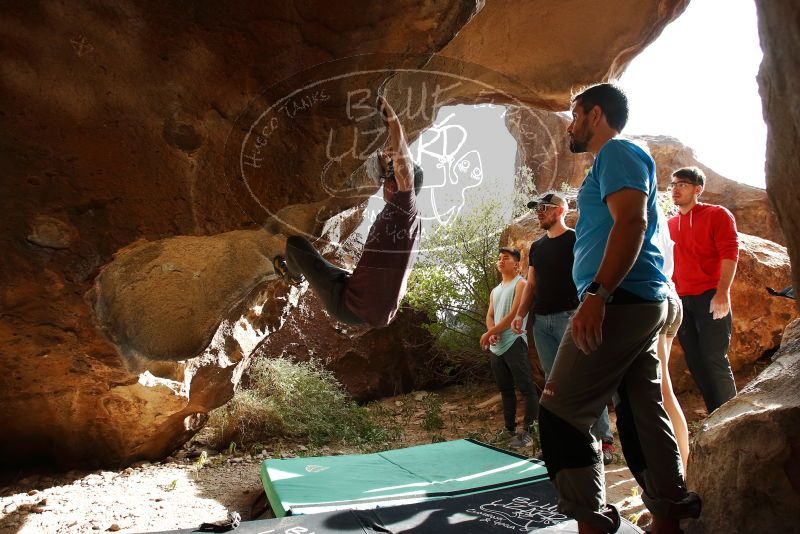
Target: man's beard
[545,224]
[579,146]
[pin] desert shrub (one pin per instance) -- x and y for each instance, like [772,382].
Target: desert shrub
[451,283]
[295,400]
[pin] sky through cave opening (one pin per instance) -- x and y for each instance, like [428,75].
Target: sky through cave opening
[468,158]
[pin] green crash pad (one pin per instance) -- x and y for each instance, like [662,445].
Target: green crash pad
[390,478]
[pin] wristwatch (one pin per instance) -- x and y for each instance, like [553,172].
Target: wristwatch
[598,291]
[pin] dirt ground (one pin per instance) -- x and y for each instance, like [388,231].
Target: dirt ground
[198,484]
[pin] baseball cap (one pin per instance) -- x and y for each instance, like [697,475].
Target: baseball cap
[514,252]
[553,199]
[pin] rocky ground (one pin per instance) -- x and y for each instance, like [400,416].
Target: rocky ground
[198,484]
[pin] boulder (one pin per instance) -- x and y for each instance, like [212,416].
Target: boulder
[162,300]
[745,461]
[779,85]
[184,314]
[758,318]
[369,363]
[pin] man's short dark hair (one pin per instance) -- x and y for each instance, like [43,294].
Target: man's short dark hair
[511,251]
[691,174]
[611,99]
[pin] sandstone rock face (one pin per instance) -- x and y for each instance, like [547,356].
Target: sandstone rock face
[745,463]
[115,122]
[163,300]
[525,54]
[540,46]
[204,301]
[134,131]
[758,318]
[779,85]
[543,146]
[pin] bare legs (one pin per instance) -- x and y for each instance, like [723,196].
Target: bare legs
[671,402]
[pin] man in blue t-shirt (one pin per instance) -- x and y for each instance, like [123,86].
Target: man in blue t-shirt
[610,344]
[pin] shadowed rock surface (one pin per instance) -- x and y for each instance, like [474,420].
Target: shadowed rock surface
[779,85]
[115,123]
[746,462]
[369,363]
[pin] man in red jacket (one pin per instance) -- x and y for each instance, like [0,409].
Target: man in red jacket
[706,252]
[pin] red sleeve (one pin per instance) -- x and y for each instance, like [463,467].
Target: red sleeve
[725,236]
[672,223]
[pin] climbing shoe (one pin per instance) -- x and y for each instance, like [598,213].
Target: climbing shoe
[279,264]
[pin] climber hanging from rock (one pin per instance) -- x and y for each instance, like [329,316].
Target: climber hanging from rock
[372,292]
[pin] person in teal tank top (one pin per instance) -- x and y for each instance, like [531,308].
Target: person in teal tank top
[509,351]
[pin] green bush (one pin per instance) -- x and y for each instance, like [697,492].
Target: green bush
[295,400]
[451,283]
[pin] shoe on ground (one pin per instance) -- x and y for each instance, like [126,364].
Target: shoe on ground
[505,434]
[522,439]
[279,264]
[608,453]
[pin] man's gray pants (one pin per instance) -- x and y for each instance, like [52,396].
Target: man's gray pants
[576,392]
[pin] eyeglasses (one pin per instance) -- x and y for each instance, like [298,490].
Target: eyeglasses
[541,208]
[680,185]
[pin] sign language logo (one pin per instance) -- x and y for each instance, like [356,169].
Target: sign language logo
[302,150]
[524,512]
